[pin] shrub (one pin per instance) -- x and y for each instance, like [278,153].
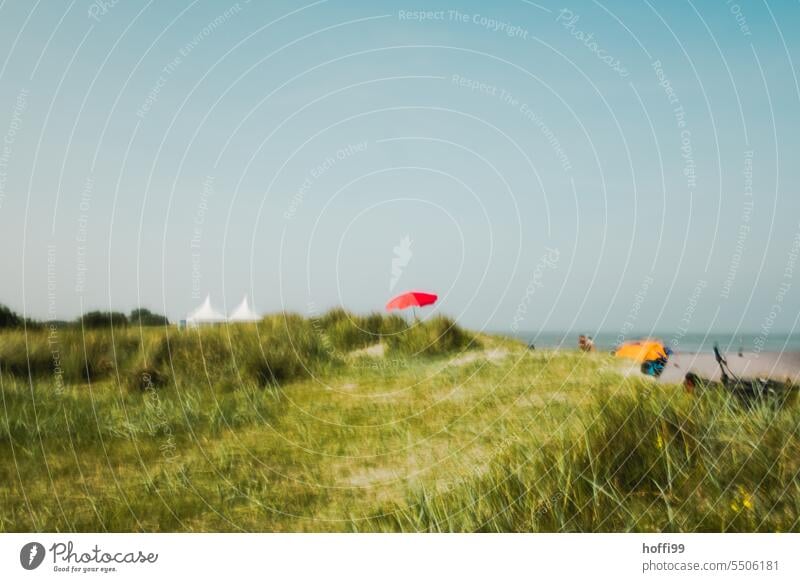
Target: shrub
[345,331]
[100,319]
[438,335]
[342,331]
[145,317]
[9,319]
[18,353]
[280,348]
[68,354]
[289,347]
[275,366]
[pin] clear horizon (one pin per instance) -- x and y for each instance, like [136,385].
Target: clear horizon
[539,166]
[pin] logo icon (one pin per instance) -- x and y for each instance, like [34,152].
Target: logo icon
[31,555]
[402,256]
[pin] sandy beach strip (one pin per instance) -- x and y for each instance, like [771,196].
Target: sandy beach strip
[775,365]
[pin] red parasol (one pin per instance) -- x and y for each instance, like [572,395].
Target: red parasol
[411,299]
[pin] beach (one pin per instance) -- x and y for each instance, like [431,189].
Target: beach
[781,359]
[775,365]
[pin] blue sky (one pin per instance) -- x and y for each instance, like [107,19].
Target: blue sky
[162,151]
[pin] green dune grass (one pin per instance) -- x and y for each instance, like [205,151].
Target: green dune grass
[351,423]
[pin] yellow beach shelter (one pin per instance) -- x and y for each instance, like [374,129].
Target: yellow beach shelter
[642,350]
[650,353]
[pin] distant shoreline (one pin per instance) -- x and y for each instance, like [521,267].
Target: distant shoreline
[686,343]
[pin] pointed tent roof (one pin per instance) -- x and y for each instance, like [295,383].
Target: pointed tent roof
[243,312]
[205,314]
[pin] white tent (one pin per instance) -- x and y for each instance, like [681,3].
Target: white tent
[204,315]
[243,313]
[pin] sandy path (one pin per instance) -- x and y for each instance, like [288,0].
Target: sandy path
[493,355]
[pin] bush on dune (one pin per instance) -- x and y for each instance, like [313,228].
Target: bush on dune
[94,347]
[67,354]
[385,324]
[436,336]
[343,331]
[18,351]
[145,317]
[280,348]
[346,331]
[286,347]
[102,319]
[9,319]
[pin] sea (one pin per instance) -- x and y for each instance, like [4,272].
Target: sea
[679,342]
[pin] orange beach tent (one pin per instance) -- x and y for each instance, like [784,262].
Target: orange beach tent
[642,350]
[650,353]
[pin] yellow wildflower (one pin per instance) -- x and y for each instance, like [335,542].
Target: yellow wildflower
[747,500]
